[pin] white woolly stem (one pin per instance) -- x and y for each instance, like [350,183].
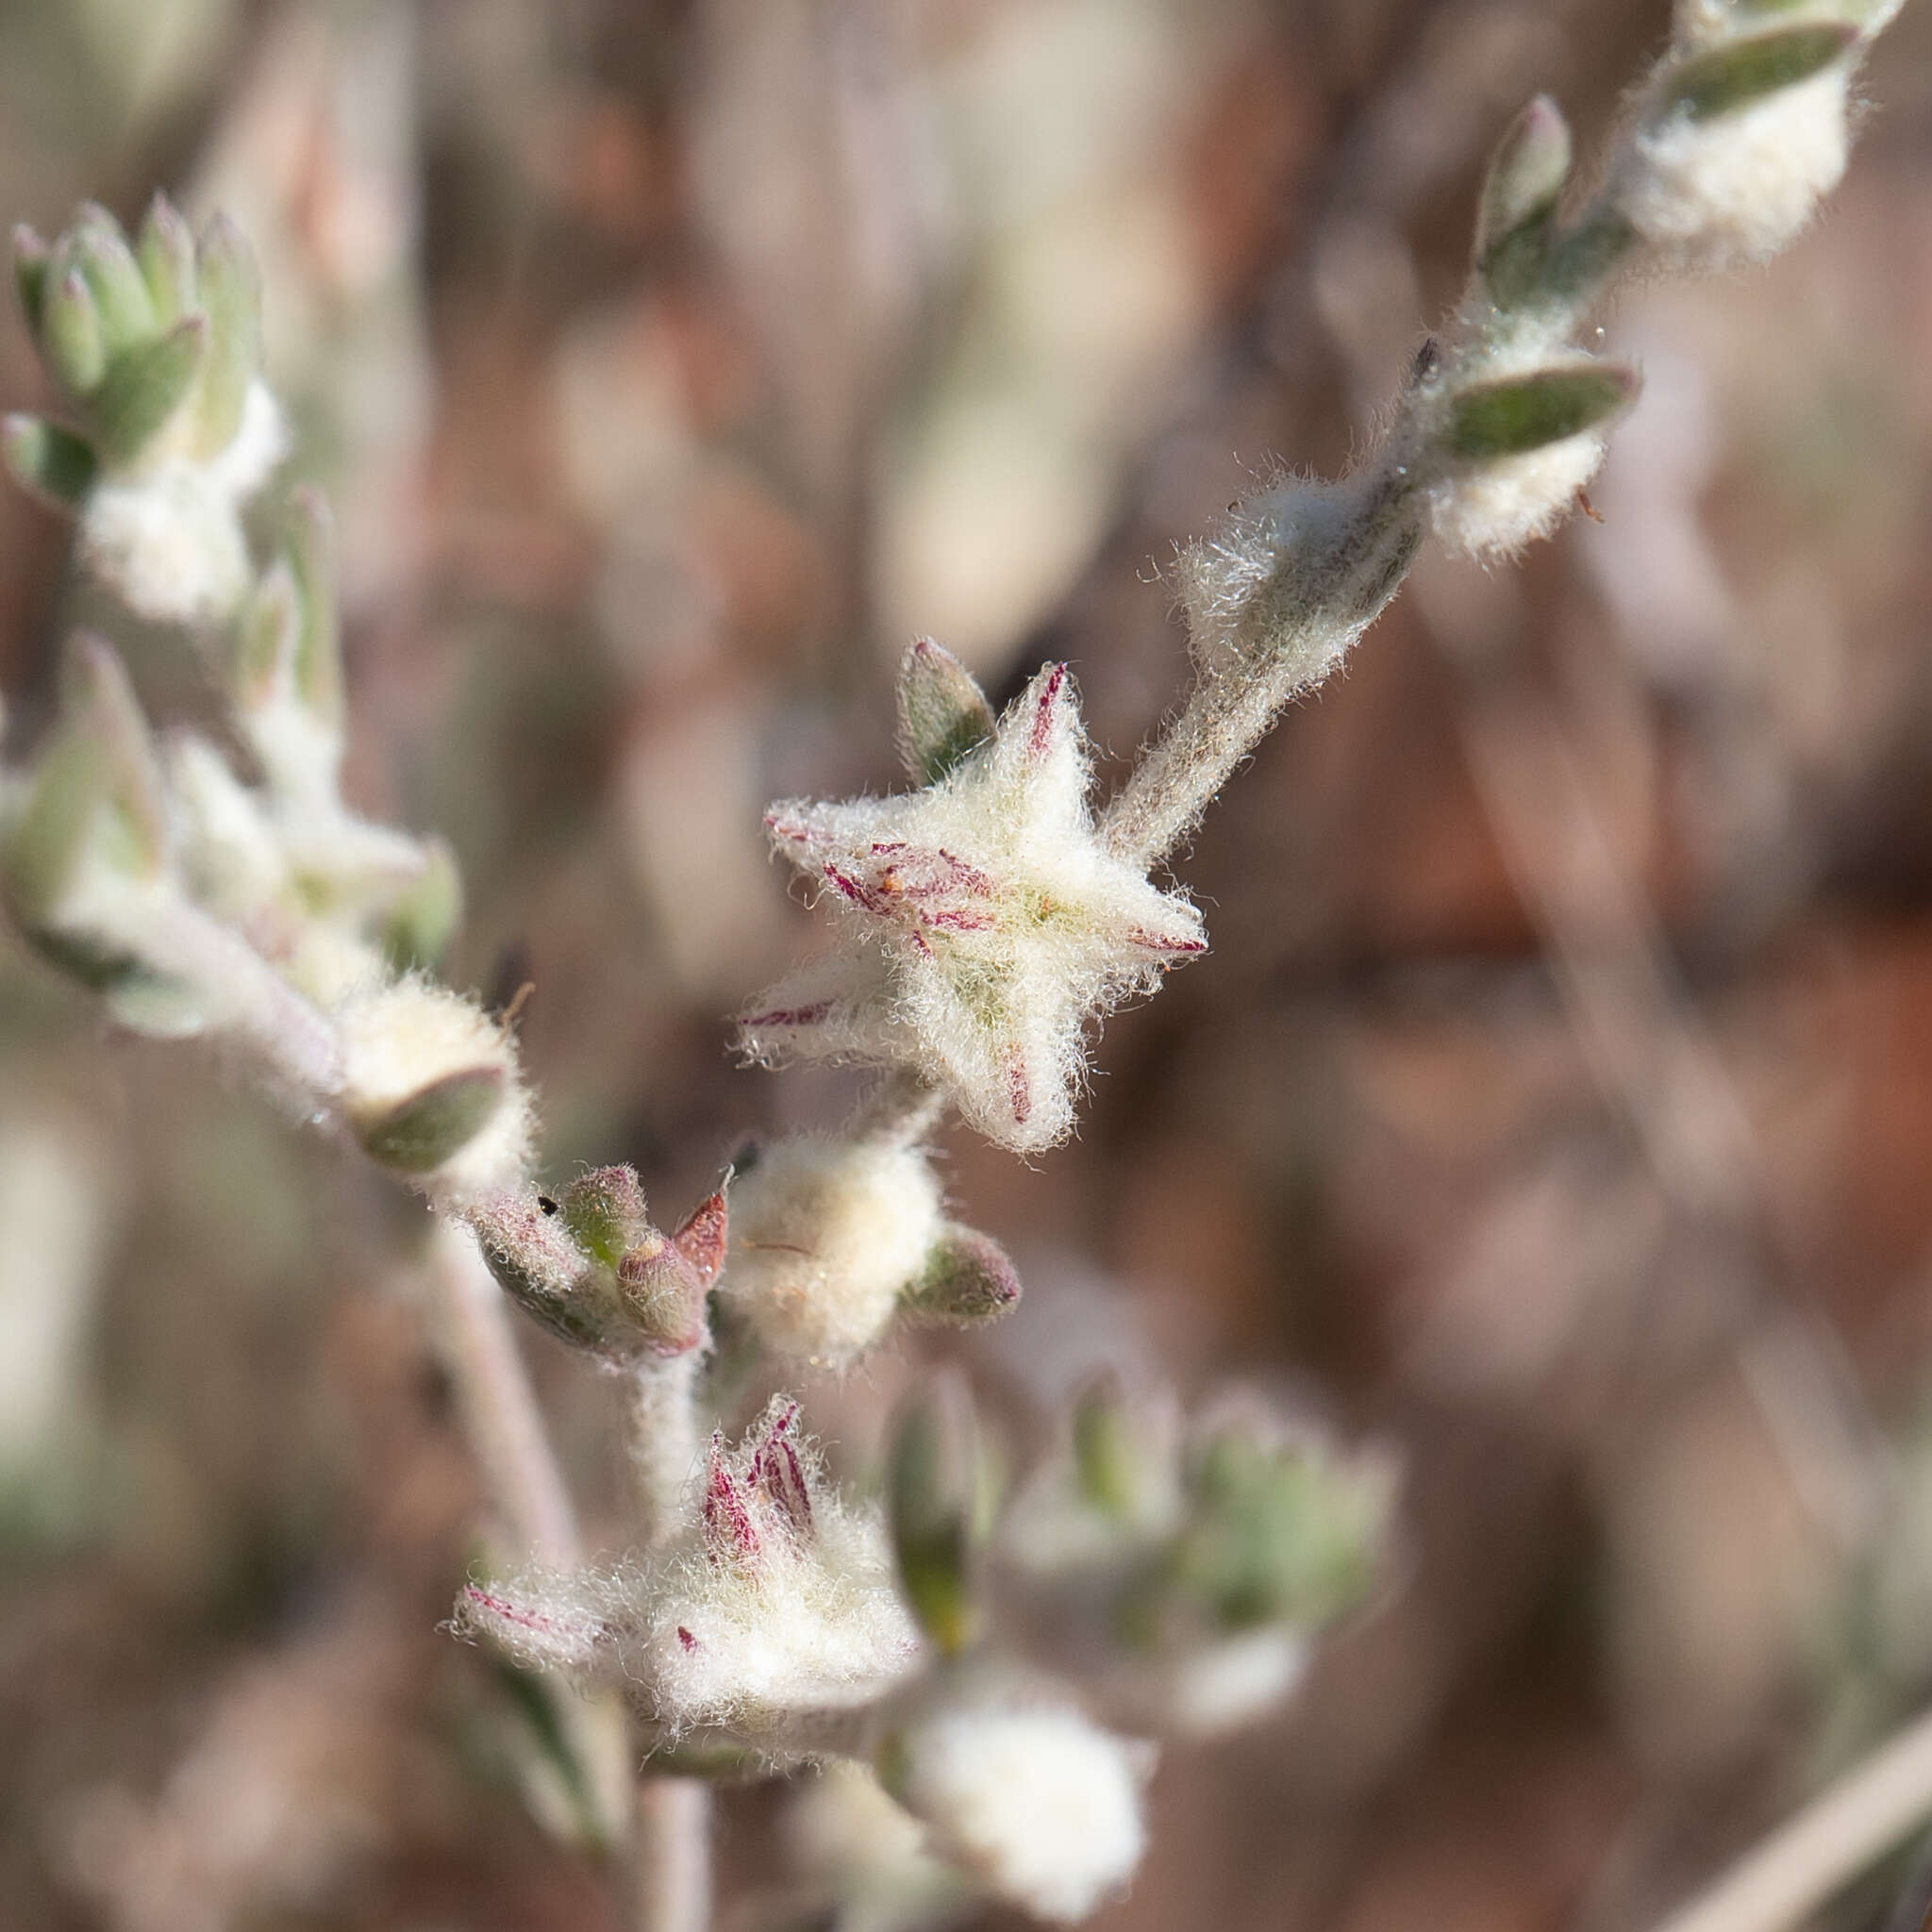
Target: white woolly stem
[664,1444]
[498,1407]
[1287,635]
[1785,1879]
[903,1108]
[293,1043]
[672,1854]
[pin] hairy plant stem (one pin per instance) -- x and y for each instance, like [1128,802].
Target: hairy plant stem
[671,1889]
[672,1854]
[498,1407]
[902,1109]
[1325,594]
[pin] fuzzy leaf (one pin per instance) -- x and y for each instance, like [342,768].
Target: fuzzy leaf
[101,252]
[932,1494]
[230,290]
[145,386]
[308,542]
[1526,176]
[419,1134]
[1735,76]
[71,331]
[166,254]
[48,461]
[31,256]
[424,918]
[1511,417]
[1519,199]
[944,715]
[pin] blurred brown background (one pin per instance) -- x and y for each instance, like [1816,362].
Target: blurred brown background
[1556,1101]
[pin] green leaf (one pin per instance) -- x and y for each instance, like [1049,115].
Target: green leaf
[95,792]
[1106,1452]
[1513,417]
[1518,215]
[101,252]
[422,922]
[932,1496]
[1743,71]
[30,259]
[1526,176]
[71,331]
[145,386]
[419,1134]
[944,715]
[166,253]
[230,289]
[48,461]
[308,543]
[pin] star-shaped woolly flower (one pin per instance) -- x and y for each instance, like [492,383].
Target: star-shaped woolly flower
[983,923]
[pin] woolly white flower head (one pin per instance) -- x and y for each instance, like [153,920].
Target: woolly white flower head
[780,1605]
[1039,1804]
[432,1086]
[1736,187]
[984,926]
[826,1237]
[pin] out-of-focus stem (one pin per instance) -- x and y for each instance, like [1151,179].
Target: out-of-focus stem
[1781,1881]
[671,1853]
[663,1443]
[498,1407]
[673,1850]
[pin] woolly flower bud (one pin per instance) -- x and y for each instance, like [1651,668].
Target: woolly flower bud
[1495,511]
[780,1605]
[825,1235]
[168,540]
[1039,1805]
[1735,188]
[433,1089]
[170,545]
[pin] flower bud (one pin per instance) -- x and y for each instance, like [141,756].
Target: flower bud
[968,1278]
[826,1237]
[944,715]
[590,1266]
[432,1089]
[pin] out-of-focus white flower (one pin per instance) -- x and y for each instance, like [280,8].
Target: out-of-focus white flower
[1735,188]
[984,926]
[1036,1802]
